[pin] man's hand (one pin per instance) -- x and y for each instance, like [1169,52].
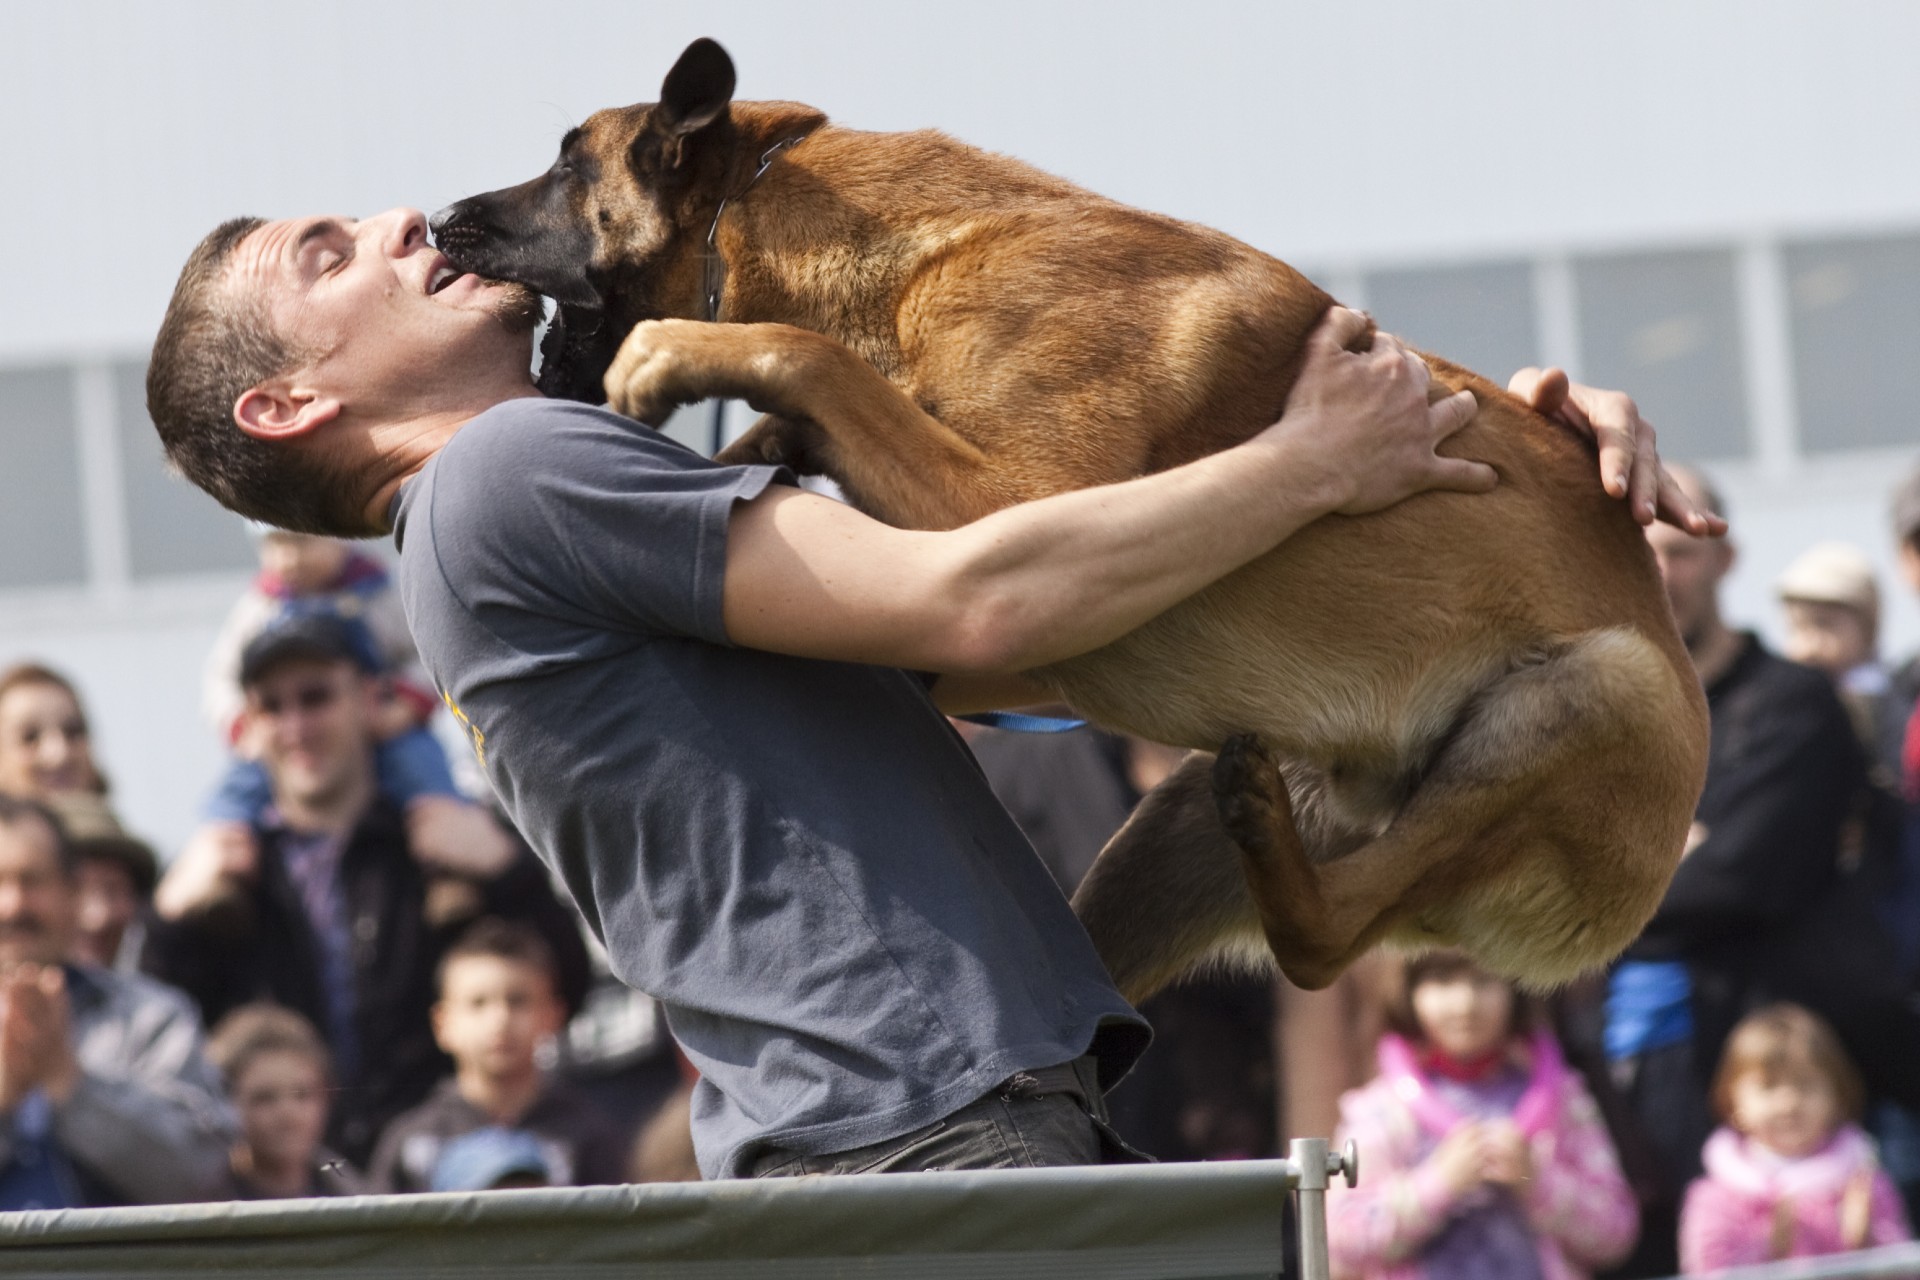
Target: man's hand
[1364,418]
[457,836]
[219,856]
[1629,463]
[36,1048]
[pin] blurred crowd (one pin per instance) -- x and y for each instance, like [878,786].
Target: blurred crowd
[356,977]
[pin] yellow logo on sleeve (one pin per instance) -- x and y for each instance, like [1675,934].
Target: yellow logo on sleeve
[478,738]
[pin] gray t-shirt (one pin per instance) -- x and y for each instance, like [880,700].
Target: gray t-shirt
[799,859]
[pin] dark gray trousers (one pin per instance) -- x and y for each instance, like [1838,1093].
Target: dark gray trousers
[1054,1116]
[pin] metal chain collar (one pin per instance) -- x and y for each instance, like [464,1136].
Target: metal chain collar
[715,268]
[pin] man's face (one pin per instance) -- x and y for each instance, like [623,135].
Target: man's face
[384,321]
[1691,568]
[105,905]
[493,1013]
[309,721]
[1834,638]
[36,896]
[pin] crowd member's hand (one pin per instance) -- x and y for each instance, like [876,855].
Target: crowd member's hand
[1363,420]
[219,856]
[36,1046]
[1461,1158]
[457,836]
[1856,1210]
[393,716]
[1506,1159]
[1629,460]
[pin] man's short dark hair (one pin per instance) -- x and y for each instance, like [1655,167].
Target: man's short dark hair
[213,345]
[15,810]
[498,939]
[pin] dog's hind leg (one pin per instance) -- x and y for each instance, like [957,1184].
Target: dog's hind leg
[894,460]
[1511,845]
[1169,890]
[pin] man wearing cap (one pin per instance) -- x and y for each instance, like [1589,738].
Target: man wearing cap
[104,1095]
[1784,773]
[1832,605]
[326,909]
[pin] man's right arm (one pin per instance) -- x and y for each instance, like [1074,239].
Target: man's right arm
[1049,579]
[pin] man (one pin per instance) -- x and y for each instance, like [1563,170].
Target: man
[324,907]
[104,1095]
[663,666]
[1784,774]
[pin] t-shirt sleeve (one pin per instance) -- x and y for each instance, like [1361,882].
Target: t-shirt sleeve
[580,514]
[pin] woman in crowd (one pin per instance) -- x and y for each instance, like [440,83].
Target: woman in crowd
[1790,1175]
[1485,1156]
[45,748]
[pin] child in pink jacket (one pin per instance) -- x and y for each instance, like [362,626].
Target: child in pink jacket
[1791,1175]
[1481,1155]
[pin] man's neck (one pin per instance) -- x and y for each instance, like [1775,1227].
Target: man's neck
[504,1099]
[334,812]
[1714,647]
[405,446]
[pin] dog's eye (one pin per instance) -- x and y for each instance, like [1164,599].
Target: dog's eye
[561,168]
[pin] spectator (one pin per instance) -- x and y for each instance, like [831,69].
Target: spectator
[278,1079]
[104,1095]
[323,908]
[300,575]
[1484,1155]
[45,745]
[498,1005]
[1790,1175]
[1832,604]
[1204,1089]
[114,876]
[1784,775]
[492,1159]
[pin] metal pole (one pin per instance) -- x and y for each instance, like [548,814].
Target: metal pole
[1316,1164]
[718,431]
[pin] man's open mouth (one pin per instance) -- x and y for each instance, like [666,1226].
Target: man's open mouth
[442,276]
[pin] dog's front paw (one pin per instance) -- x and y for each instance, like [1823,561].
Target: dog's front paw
[656,370]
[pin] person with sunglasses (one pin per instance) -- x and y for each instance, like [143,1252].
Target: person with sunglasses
[332,905]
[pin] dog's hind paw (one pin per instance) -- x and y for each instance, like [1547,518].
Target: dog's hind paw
[779,442]
[1247,791]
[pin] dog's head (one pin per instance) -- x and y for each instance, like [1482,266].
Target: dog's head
[615,231]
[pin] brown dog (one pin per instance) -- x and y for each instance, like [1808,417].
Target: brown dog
[1486,729]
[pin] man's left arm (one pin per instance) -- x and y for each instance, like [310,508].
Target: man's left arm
[143,1110]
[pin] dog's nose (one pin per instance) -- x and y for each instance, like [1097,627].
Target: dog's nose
[448,218]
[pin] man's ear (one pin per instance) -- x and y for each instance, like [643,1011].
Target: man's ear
[694,95]
[276,410]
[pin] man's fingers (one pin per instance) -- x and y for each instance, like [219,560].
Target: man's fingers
[1464,476]
[1643,491]
[1339,327]
[1544,389]
[1447,416]
[1678,510]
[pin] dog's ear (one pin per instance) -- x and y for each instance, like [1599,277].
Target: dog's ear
[695,93]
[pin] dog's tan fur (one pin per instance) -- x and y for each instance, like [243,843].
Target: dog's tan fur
[1488,732]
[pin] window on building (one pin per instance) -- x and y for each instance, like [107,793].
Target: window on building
[1854,308]
[1480,316]
[1664,327]
[42,525]
[172,527]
